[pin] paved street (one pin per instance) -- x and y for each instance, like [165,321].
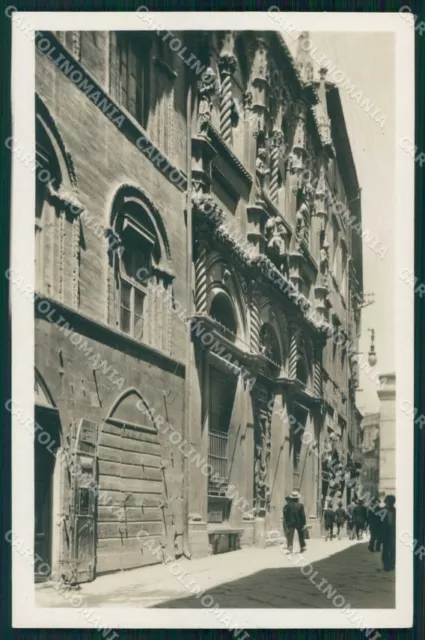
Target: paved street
[257,578]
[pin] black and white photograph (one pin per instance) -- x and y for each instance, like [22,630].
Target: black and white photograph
[212,292]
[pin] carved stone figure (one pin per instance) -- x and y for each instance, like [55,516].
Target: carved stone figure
[324,259]
[301,225]
[277,243]
[261,169]
[207,87]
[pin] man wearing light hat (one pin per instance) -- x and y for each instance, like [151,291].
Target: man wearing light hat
[294,519]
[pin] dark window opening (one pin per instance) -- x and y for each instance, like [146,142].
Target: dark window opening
[222,311]
[221,400]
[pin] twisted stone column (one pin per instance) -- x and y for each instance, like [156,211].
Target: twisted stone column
[227,66]
[255,321]
[201,278]
[293,353]
[276,146]
[317,373]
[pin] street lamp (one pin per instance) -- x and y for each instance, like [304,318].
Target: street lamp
[372,359]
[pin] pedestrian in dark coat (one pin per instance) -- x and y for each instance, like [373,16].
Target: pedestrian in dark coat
[285,509]
[380,514]
[294,518]
[341,518]
[389,534]
[329,518]
[360,519]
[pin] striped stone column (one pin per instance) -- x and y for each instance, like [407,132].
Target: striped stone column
[276,143]
[255,321]
[293,352]
[227,66]
[201,277]
[317,372]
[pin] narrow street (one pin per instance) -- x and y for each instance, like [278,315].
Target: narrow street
[258,578]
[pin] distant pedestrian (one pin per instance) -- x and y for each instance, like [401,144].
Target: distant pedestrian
[350,521]
[389,534]
[329,517]
[294,518]
[374,522]
[360,519]
[380,513]
[341,518]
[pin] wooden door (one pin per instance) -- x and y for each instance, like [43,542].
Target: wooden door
[131,498]
[84,503]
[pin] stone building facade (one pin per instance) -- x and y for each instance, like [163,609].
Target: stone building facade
[387,434]
[370,454]
[198,266]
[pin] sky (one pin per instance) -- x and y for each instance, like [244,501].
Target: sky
[367,59]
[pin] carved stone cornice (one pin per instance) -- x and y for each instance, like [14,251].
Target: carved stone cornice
[67,201]
[210,213]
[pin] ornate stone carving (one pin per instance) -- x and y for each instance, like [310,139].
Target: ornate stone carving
[301,227]
[247,99]
[262,170]
[277,243]
[76,44]
[262,493]
[324,260]
[207,87]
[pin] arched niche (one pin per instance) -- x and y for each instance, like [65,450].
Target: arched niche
[276,319]
[221,279]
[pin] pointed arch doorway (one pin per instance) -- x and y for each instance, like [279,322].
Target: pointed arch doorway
[132,498]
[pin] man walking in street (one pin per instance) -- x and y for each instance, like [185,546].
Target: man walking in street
[294,519]
[329,517]
[350,521]
[341,518]
[389,534]
[285,527]
[360,519]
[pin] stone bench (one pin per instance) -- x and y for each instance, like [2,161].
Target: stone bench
[224,538]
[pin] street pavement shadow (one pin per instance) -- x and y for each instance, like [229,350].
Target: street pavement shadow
[354,573]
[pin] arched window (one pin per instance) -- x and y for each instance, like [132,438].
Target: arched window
[57,211]
[48,179]
[141,272]
[223,312]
